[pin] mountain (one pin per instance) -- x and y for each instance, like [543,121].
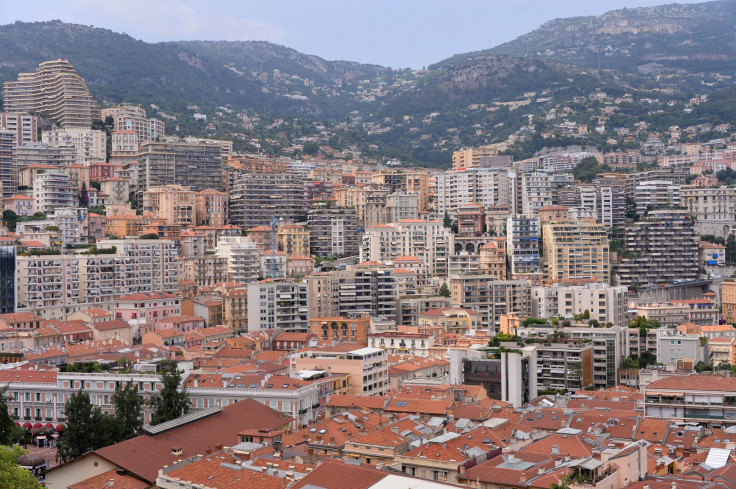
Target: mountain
[668,38]
[119,68]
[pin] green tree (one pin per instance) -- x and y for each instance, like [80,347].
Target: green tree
[731,249]
[444,290]
[12,475]
[171,402]
[11,219]
[7,426]
[128,409]
[78,436]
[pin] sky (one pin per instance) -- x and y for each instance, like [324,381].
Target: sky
[395,33]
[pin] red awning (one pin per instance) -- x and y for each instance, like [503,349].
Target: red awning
[17,423]
[27,425]
[59,428]
[48,425]
[38,425]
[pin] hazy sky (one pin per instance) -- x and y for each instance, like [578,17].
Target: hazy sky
[397,33]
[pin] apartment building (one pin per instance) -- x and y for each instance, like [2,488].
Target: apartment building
[728,301]
[491,297]
[55,89]
[605,303]
[57,285]
[283,305]
[567,366]
[32,154]
[367,288]
[470,157]
[369,203]
[522,245]
[675,175]
[24,125]
[7,279]
[210,208]
[575,250]
[243,258]
[353,328]
[133,118]
[402,205]
[204,270]
[367,367]
[538,189]
[124,147]
[668,315]
[235,309]
[90,144]
[197,166]
[454,320]
[714,208]
[663,248]
[52,190]
[293,239]
[674,346]
[656,194]
[428,240]
[493,258]
[484,186]
[172,203]
[409,308]
[333,231]
[605,199]
[8,164]
[709,400]
[257,198]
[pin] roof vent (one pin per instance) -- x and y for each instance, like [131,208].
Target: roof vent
[176,451]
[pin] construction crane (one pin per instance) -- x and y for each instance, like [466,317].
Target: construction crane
[274,227]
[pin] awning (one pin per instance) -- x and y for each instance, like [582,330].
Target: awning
[27,425]
[48,425]
[59,427]
[41,437]
[38,425]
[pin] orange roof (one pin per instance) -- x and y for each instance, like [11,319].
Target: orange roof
[111,478]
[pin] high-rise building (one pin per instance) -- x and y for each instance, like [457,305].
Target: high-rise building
[575,250]
[25,126]
[538,189]
[522,244]
[45,154]
[333,231]
[282,304]
[604,303]
[7,279]
[428,240]
[714,208]
[56,90]
[663,248]
[293,239]
[656,194]
[369,288]
[471,157]
[172,203]
[257,198]
[491,297]
[52,190]
[210,208]
[8,165]
[133,118]
[243,258]
[197,166]
[90,144]
[54,286]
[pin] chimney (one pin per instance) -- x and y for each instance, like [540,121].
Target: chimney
[674,485]
[395,429]
[207,451]
[461,470]
[522,477]
[110,483]
[541,471]
[218,447]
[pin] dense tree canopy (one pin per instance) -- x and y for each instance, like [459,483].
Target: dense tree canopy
[171,402]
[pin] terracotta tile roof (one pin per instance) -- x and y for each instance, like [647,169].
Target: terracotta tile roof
[110,479]
[210,472]
[573,445]
[544,419]
[353,401]
[490,472]
[144,455]
[652,430]
[96,312]
[695,383]
[29,376]
[619,427]
[110,325]
[591,404]
[336,474]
